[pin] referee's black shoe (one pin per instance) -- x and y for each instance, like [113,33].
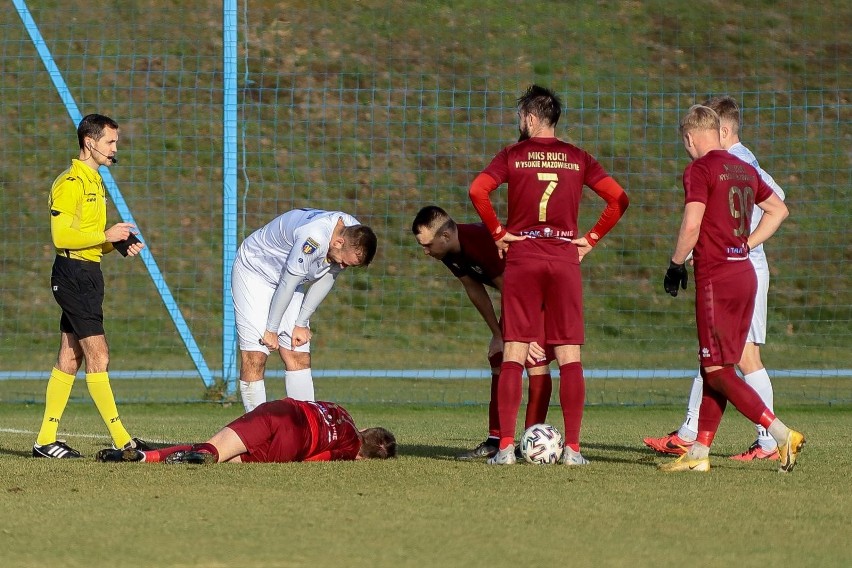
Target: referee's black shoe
[55,450]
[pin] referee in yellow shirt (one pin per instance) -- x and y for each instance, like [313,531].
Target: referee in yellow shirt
[77,225]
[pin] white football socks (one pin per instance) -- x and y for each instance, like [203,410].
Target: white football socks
[699,451]
[778,431]
[689,429]
[300,384]
[253,394]
[759,381]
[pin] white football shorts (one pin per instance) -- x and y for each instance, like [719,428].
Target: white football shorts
[252,297]
[757,330]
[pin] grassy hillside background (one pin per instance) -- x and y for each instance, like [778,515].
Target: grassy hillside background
[378,108]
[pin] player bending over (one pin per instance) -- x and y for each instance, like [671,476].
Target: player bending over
[468,250]
[282,272]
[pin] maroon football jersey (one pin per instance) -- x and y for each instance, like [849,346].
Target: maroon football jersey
[289,430]
[729,188]
[546,178]
[478,258]
[333,431]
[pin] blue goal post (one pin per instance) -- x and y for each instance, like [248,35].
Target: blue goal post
[115,193]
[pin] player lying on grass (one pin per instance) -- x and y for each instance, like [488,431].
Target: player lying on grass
[278,431]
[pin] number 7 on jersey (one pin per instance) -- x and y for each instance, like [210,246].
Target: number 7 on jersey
[542,206]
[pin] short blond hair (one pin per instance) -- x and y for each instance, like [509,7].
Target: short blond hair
[699,117]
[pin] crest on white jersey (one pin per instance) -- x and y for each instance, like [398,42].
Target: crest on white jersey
[310,246]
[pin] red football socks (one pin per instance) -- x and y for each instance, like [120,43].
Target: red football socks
[163,453]
[741,395]
[572,397]
[509,400]
[538,399]
[495,361]
[705,437]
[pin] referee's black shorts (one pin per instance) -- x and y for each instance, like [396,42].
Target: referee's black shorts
[78,287]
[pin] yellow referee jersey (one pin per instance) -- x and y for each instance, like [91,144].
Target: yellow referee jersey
[78,213]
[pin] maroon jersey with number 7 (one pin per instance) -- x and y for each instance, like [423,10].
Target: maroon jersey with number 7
[546,178]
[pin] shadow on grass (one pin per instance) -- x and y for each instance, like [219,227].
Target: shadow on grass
[29,453]
[437,452]
[650,458]
[613,453]
[613,447]
[19,453]
[603,453]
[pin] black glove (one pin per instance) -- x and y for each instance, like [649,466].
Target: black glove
[676,274]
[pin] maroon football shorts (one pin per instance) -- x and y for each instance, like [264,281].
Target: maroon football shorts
[549,352]
[272,432]
[723,310]
[540,288]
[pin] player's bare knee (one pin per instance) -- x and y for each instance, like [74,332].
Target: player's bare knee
[96,352]
[750,360]
[97,364]
[69,361]
[295,360]
[566,354]
[252,365]
[69,367]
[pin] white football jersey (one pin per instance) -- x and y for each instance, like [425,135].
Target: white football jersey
[748,157]
[298,241]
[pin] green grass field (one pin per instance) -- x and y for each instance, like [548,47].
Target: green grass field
[379,108]
[424,508]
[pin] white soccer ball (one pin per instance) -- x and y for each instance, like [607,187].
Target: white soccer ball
[541,444]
